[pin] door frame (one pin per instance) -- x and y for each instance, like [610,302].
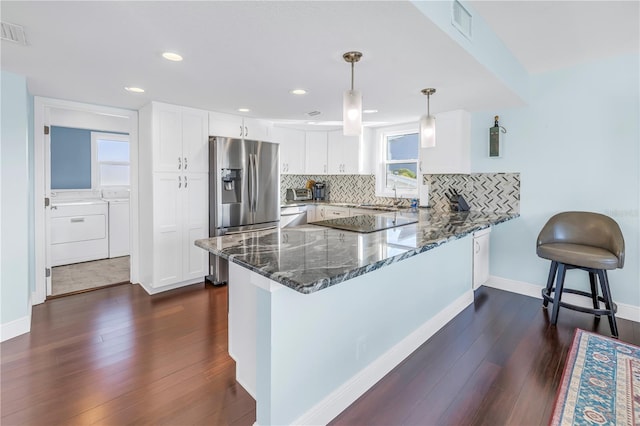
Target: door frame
[42,185]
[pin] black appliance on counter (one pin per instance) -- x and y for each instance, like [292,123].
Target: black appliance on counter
[457,201]
[320,191]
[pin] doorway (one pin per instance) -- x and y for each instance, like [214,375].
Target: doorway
[74,245]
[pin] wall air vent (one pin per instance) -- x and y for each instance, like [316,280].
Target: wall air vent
[461,19]
[14,33]
[313,113]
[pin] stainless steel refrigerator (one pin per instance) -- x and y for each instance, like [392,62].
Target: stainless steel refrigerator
[244,185]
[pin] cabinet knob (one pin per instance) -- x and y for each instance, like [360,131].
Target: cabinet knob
[179,163]
[246,131]
[179,181]
[185,163]
[185,181]
[241,130]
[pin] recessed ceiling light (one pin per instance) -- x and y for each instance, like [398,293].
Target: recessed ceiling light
[369,111]
[172,56]
[134,89]
[298,92]
[244,109]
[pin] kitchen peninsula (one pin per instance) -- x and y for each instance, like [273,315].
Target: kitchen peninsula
[317,315]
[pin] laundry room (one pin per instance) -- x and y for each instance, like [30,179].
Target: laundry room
[89,178]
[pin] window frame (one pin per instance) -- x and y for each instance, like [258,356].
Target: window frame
[382,135]
[95,164]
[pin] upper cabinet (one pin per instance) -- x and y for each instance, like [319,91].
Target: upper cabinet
[180,136]
[452,151]
[343,153]
[235,126]
[316,153]
[292,149]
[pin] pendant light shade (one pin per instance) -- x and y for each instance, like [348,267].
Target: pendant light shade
[428,124]
[352,112]
[352,102]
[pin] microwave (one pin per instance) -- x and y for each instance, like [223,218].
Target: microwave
[298,194]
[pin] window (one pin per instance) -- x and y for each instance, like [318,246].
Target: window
[399,171]
[110,164]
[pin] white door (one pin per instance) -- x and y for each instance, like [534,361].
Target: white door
[167,232]
[167,151]
[195,224]
[292,147]
[316,153]
[225,125]
[195,140]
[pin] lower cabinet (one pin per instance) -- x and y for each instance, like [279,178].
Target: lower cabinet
[332,212]
[178,217]
[480,257]
[311,213]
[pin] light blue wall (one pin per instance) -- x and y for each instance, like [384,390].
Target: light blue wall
[308,344]
[32,220]
[485,46]
[14,211]
[70,158]
[577,148]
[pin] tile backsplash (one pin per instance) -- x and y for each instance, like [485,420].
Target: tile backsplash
[491,192]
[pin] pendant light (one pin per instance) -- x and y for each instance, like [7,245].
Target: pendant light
[428,124]
[352,102]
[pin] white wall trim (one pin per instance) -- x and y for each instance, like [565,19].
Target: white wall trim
[152,290]
[625,311]
[16,327]
[337,401]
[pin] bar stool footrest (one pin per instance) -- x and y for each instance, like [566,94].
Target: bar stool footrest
[607,312]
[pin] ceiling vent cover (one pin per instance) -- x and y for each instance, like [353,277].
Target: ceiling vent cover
[461,19]
[14,33]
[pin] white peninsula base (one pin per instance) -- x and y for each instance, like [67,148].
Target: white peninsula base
[307,357]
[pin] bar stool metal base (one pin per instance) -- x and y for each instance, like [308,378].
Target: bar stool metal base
[557,290]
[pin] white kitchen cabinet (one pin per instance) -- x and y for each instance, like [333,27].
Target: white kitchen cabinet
[316,153]
[343,153]
[180,136]
[452,153]
[480,257]
[320,213]
[311,213]
[360,212]
[333,212]
[236,126]
[292,149]
[173,203]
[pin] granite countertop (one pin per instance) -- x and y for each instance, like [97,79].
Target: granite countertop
[309,258]
[375,207]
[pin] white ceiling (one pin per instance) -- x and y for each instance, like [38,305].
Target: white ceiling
[251,54]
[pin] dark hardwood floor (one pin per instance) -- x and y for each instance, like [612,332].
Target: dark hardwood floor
[118,356]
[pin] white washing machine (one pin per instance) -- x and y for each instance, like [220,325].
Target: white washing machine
[79,227]
[118,221]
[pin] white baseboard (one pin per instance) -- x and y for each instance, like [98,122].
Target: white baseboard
[336,402]
[625,311]
[153,290]
[16,327]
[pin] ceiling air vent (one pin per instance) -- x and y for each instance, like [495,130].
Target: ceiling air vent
[14,33]
[313,113]
[461,19]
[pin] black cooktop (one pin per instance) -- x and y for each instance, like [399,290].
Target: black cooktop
[367,223]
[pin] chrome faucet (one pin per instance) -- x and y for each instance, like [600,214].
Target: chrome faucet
[395,195]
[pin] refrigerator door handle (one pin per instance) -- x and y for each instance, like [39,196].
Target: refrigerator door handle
[254,197]
[250,183]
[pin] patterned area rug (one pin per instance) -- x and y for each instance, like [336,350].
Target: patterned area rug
[600,383]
